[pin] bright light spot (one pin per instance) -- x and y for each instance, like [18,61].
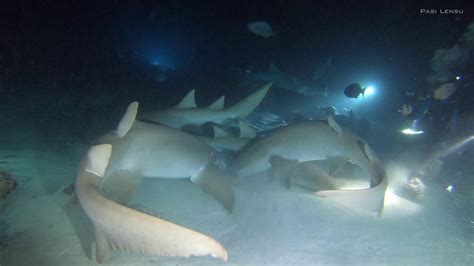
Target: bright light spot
[458,77]
[155,63]
[409,131]
[450,188]
[369,90]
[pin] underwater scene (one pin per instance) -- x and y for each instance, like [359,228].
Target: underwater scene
[237,132]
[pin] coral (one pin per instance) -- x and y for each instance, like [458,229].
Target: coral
[415,188]
[7,184]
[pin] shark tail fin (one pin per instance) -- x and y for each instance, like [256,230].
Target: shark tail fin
[155,237]
[249,103]
[118,227]
[369,200]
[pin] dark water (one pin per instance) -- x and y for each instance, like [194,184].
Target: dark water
[69,70]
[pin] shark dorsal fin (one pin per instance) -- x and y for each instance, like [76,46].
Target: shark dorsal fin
[127,120]
[334,125]
[188,101]
[218,104]
[98,158]
[273,68]
[246,131]
[219,132]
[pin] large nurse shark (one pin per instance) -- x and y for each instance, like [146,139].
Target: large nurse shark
[111,171]
[187,113]
[318,140]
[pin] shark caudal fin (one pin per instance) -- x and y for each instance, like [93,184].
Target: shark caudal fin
[118,227]
[369,200]
[249,103]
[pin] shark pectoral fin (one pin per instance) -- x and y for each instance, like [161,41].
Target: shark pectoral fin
[282,169]
[121,185]
[312,177]
[365,200]
[79,220]
[213,181]
[218,104]
[102,246]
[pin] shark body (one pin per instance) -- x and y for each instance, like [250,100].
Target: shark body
[118,227]
[116,166]
[187,112]
[319,140]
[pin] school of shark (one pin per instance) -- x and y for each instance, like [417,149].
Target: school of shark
[153,145]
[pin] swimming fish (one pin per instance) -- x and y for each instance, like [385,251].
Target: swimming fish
[354,90]
[261,28]
[444,91]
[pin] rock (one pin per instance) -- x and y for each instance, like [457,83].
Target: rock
[415,188]
[7,184]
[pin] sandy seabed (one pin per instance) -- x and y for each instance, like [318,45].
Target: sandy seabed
[269,225]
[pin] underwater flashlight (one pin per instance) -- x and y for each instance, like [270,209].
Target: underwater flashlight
[369,90]
[410,131]
[450,188]
[413,130]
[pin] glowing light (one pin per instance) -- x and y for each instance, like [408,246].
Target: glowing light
[410,131]
[369,90]
[455,147]
[458,77]
[450,188]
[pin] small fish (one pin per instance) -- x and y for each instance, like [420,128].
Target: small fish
[261,28]
[354,90]
[444,91]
